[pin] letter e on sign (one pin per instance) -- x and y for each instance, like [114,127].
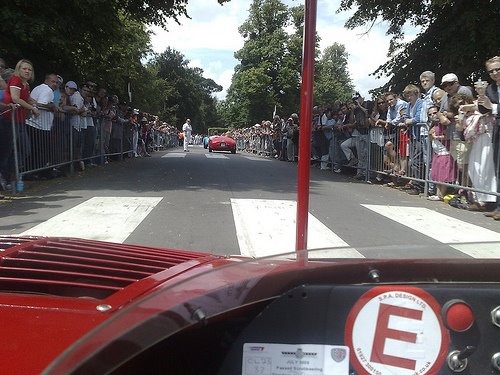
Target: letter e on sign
[396,330]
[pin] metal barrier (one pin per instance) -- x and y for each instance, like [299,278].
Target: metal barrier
[400,154]
[51,141]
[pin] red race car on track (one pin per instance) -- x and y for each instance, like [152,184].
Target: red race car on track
[89,307]
[221,143]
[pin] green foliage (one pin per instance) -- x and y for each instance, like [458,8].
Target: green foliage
[106,41]
[269,71]
[332,82]
[185,93]
[455,36]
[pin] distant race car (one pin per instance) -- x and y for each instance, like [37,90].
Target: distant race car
[221,143]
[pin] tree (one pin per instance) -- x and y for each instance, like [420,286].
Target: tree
[332,81]
[102,40]
[456,36]
[269,71]
[185,92]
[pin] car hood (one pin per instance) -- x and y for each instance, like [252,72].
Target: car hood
[55,290]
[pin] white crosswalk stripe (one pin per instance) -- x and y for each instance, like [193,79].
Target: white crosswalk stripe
[216,156]
[256,158]
[99,218]
[174,155]
[468,238]
[267,227]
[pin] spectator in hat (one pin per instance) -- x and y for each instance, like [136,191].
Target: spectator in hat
[459,148]
[451,86]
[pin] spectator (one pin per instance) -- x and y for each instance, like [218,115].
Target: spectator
[395,104]
[39,127]
[437,97]
[61,130]
[317,136]
[276,134]
[427,82]
[403,146]
[78,120]
[491,101]
[340,134]
[17,92]
[3,82]
[108,113]
[361,113]
[378,136]
[89,117]
[349,144]
[6,75]
[57,91]
[451,86]
[478,130]
[327,128]
[134,128]
[414,123]
[290,147]
[443,166]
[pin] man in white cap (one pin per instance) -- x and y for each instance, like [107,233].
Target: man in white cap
[450,84]
[187,129]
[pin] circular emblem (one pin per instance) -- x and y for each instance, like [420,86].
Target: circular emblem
[396,330]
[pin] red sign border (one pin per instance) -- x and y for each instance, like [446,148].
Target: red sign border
[374,292]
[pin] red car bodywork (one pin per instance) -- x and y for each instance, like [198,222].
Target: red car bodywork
[79,306]
[221,143]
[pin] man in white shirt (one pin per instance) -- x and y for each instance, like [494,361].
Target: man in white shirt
[187,129]
[44,96]
[39,127]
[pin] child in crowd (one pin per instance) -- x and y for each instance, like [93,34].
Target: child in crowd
[444,168]
[391,160]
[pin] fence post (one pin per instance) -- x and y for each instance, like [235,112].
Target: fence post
[19,185]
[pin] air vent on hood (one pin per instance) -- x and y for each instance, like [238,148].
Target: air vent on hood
[77,267]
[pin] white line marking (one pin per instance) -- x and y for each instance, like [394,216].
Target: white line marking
[216,156]
[267,227]
[99,218]
[174,155]
[471,239]
[255,158]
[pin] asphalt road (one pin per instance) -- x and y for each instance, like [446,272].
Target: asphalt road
[208,202]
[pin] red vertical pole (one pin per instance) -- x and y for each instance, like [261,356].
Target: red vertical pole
[306,105]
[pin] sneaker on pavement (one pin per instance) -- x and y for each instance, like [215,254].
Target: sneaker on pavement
[434,198]
[492,213]
[413,192]
[352,162]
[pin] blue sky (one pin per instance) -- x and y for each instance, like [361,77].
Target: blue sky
[210,38]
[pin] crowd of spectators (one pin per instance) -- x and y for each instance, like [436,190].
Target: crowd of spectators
[436,138]
[440,138]
[59,123]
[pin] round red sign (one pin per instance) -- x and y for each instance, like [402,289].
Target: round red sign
[396,330]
